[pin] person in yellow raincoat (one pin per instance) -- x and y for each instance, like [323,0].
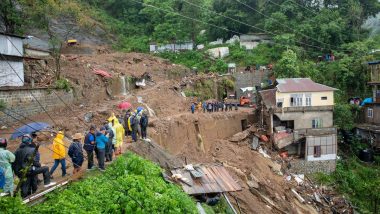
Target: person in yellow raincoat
[119,134]
[59,154]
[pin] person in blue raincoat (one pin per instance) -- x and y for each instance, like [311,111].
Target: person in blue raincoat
[6,160]
[76,153]
[192,108]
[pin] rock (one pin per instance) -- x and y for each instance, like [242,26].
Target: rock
[276,168]
[253,184]
[255,143]
[88,117]
[239,136]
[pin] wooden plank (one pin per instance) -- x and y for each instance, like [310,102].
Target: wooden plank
[212,179]
[216,179]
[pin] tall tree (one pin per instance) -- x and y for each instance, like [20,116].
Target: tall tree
[10,17]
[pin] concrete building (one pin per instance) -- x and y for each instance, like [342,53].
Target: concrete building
[298,113]
[219,52]
[36,48]
[250,42]
[11,60]
[174,47]
[369,129]
[246,83]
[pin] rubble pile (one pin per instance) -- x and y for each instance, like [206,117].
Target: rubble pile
[321,198]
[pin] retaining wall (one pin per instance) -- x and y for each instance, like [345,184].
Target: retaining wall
[308,167]
[21,102]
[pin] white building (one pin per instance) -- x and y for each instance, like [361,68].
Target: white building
[183,46]
[11,60]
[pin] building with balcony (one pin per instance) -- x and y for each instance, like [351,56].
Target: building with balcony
[298,113]
[369,128]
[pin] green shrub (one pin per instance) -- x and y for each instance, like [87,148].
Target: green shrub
[129,185]
[3,105]
[63,84]
[358,181]
[133,44]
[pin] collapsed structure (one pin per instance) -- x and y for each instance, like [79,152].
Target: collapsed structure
[298,114]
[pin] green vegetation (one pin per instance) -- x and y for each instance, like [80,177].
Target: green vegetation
[2,105]
[358,181]
[63,84]
[221,207]
[130,185]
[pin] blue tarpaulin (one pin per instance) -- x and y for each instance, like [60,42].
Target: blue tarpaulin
[28,129]
[367,100]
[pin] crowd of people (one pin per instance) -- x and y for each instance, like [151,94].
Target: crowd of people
[103,143]
[213,106]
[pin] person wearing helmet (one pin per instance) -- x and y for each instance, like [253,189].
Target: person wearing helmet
[27,159]
[6,160]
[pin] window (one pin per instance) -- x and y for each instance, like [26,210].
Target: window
[280,103]
[317,151]
[296,100]
[370,113]
[323,98]
[316,123]
[308,99]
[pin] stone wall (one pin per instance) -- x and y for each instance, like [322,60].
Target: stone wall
[243,80]
[21,102]
[308,167]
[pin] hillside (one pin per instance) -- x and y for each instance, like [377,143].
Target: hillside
[328,41]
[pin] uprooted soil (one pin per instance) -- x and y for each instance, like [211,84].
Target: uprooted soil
[169,108]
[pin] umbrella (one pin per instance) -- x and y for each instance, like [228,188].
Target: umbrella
[139,109]
[28,129]
[124,105]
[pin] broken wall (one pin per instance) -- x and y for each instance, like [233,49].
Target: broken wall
[181,133]
[20,103]
[243,80]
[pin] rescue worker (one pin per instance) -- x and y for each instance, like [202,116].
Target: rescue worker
[27,159]
[76,153]
[6,160]
[59,154]
[119,136]
[109,144]
[101,141]
[89,146]
[192,108]
[144,124]
[204,106]
[132,127]
[126,118]
[137,123]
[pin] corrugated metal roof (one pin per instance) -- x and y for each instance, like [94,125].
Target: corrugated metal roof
[269,97]
[301,85]
[215,179]
[374,62]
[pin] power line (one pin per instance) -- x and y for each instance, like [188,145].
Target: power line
[29,91]
[226,29]
[52,90]
[54,122]
[125,191]
[295,2]
[282,23]
[238,21]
